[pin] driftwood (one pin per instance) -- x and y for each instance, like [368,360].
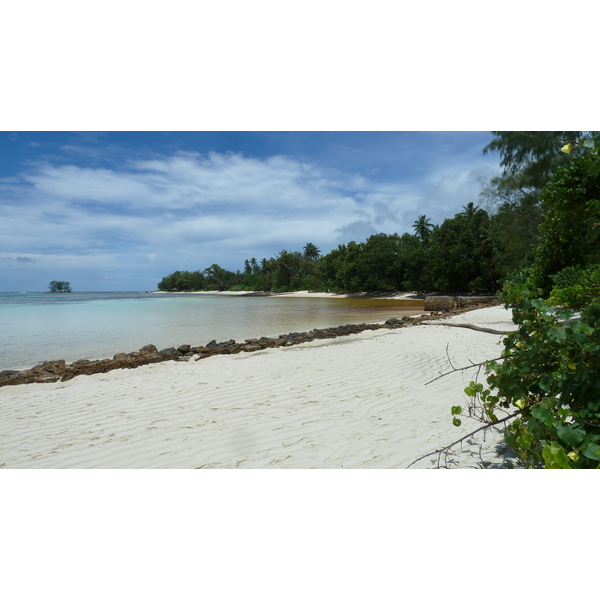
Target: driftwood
[469,326]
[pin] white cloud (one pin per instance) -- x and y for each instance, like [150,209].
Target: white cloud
[190,210]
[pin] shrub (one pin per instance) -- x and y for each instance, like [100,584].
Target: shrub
[549,379]
[576,287]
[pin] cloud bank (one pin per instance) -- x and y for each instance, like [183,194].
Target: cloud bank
[138,222]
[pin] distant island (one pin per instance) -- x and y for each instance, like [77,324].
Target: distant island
[59,287]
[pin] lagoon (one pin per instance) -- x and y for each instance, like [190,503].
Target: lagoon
[35,327]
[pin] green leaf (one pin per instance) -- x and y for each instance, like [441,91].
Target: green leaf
[456,410]
[457,423]
[579,326]
[595,168]
[555,457]
[592,451]
[589,143]
[538,303]
[525,440]
[545,383]
[558,335]
[571,435]
[542,414]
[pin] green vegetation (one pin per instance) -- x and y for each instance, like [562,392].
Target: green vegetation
[546,386]
[60,286]
[456,256]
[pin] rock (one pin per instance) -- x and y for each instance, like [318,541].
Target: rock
[184,348]
[149,349]
[435,303]
[8,373]
[121,356]
[170,352]
[38,369]
[465,301]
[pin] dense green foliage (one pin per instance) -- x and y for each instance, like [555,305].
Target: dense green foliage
[575,287]
[568,235]
[462,254]
[530,157]
[547,385]
[59,286]
[550,380]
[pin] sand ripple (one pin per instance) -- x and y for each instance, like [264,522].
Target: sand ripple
[353,402]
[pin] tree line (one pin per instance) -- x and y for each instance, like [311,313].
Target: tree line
[472,251]
[477,250]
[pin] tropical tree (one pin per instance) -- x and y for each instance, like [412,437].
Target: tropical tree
[459,255]
[423,227]
[311,252]
[60,286]
[570,233]
[468,210]
[530,157]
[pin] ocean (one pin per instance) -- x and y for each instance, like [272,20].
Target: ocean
[35,327]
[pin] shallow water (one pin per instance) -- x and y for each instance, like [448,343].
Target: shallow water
[36,326]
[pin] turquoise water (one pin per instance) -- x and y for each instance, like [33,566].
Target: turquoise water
[35,327]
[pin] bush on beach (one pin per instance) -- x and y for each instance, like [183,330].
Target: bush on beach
[547,383]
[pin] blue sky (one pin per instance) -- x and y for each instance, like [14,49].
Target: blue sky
[118,211]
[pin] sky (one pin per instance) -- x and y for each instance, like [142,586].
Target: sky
[117,211]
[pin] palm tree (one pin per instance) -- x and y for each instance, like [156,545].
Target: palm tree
[264,265]
[311,252]
[469,210]
[423,227]
[254,264]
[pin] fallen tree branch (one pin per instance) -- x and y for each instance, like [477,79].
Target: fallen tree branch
[474,327]
[462,439]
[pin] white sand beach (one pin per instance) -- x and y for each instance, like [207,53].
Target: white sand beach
[359,401]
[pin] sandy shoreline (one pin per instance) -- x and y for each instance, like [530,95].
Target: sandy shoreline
[352,402]
[302,294]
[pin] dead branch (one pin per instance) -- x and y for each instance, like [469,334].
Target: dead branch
[474,327]
[462,439]
[471,366]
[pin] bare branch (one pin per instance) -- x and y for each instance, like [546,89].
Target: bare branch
[448,356]
[471,366]
[462,439]
[474,327]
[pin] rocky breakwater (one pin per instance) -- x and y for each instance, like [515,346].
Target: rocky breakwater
[59,370]
[449,303]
